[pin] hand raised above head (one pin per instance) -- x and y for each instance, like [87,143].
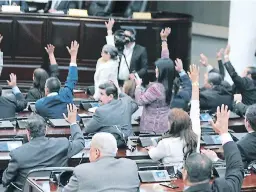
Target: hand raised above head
[13,80]
[73,50]
[1,38]
[110,23]
[178,65]
[194,73]
[165,33]
[219,54]
[227,50]
[49,49]
[203,60]
[72,114]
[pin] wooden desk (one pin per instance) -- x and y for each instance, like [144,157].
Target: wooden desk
[42,185]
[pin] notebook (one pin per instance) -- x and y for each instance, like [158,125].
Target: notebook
[59,123]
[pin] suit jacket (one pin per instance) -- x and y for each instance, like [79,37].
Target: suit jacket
[247,148]
[22,3]
[234,173]
[34,93]
[63,6]
[117,112]
[54,106]
[42,152]
[11,104]
[243,85]
[107,174]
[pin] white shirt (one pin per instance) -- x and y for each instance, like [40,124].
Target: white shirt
[170,150]
[128,51]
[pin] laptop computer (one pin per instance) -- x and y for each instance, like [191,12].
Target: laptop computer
[59,123]
[6,125]
[149,176]
[211,139]
[149,140]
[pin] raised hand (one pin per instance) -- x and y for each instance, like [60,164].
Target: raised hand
[73,50]
[194,73]
[227,50]
[219,54]
[72,113]
[49,49]
[210,154]
[13,80]
[179,65]
[221,125]
[165,33]
[203,60]
[109,24]
[1,38]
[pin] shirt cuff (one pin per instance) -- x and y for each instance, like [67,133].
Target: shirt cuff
[209,68]
[215,159]
[182,73]
[225,138]
[73,124]
[16,90]
[73,64]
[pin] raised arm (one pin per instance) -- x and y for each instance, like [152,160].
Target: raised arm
[21,102]
[77,140]
[1,56]
[110,37]
[239,82]
[164,34]
[54,72]
[234,165]
[220,64]
[195,108]
[72,78]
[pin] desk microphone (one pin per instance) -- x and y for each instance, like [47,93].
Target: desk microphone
[81,159]
[131,148]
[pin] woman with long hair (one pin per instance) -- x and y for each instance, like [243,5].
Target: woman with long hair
[40,76]
[156,99]
[183,136]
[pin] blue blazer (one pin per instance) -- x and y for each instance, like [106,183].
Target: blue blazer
[53,107]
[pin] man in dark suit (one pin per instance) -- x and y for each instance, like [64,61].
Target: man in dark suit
[134,57]
[197,168]
[41,151]
[22,3]
[116,110]
[60,6]
[12,103]
[104,172]
[54,104]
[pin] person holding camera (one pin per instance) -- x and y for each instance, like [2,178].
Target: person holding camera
[133,57]
[106,68]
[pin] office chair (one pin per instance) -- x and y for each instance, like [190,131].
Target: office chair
[45,172]
[135,6]
[101,8]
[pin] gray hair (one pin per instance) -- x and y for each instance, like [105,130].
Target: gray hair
[111,50]
[106,143]
[36,125]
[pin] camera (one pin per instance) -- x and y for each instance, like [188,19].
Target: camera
[121,40]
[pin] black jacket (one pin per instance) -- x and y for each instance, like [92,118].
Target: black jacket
[34,93]
[210,99]
[234,173]
[240,108]
[247,148]
[11,104]
[243,85]
[183,97]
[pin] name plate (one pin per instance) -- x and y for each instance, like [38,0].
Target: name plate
[141,15]
[10,9]
[78,12]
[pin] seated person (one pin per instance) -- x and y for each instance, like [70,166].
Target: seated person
[247,145]
[134,55]
[244,85]
[41,151]
[183,137]
[60,6]
[182,88]
[10,104]
[157,97]
[106,68]
[55,103]
[22,3]
[104,172]
[40,76]
[114,111]
[198,167]
[214,93]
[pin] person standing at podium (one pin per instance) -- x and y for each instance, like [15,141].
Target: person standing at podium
[22,3]
[134,57]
